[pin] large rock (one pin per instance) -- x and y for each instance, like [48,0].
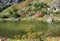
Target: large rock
[49,20]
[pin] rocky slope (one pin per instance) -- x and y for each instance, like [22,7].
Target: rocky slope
[6,3]
[28,7]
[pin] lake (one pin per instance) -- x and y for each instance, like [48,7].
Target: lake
[9,29]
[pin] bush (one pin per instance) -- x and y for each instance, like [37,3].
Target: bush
[14,14]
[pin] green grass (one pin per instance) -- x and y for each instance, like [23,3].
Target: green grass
[6,11]
[23,40]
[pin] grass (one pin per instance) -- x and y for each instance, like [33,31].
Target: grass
[52,39]
[23,40]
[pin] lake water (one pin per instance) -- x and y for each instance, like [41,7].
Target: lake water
[9,29]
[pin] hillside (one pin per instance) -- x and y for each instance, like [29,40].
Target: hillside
[16,6]
[22,8]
